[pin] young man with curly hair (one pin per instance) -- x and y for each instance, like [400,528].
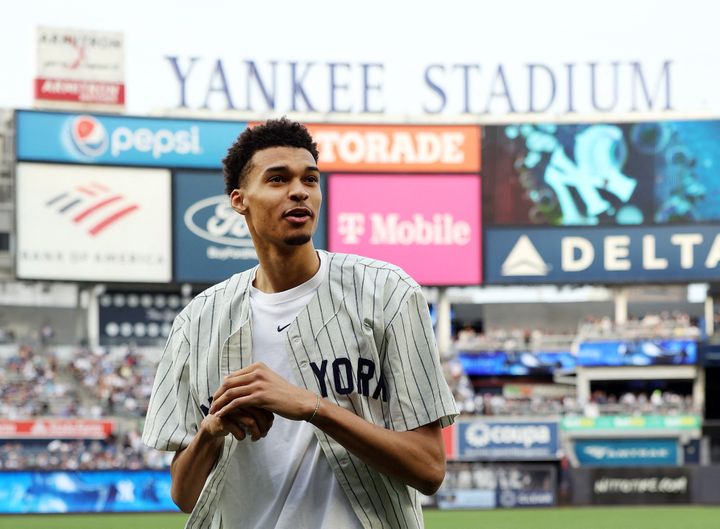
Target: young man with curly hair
[306,392]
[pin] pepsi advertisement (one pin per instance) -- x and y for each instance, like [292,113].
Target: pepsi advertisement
[660,173]
[24,492]
[637,353]
[639,254]
[507,440]
[120,140]
[515,363]
[212,241]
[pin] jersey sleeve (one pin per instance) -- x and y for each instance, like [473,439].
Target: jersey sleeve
[171,420]
[418,393]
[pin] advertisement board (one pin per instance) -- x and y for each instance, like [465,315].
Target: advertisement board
[515,363]
[482,486]
[647,254]
[429,225]
[140,316]
[55,429]
[639,352]
[80,68]
[595,174]
[93,224]
[482,439]
[78,491]
[635,486]
[123,140]
[212,241]
[627,452]
[710,354]
[397,149]
[630,423]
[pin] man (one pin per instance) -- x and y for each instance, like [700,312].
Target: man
[306,392]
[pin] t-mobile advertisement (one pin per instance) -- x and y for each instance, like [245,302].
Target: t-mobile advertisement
[427,224]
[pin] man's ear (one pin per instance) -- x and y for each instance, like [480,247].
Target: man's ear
[238,201]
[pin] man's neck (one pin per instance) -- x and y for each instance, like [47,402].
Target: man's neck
[282,270]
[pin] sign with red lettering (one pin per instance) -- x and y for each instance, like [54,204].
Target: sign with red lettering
[55,429]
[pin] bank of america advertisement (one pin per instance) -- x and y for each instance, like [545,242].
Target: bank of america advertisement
[642,254]
[212,240]
[122,140]
[93,224]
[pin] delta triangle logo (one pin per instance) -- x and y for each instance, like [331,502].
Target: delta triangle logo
[524,260]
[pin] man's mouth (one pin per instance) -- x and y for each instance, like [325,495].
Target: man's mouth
[298,215]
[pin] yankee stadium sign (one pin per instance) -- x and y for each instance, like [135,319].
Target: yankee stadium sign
[478,88]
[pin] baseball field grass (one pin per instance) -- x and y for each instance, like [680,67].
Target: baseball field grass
[694,517]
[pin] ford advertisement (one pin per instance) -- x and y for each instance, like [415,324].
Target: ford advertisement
[212,241]
[122,140]
[507,440]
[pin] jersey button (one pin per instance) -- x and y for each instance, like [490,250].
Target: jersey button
[303,364]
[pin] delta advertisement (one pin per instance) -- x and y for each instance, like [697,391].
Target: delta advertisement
[639,352]
[93,224]
[429,225]
[600,174]
[647,254]
[492,440]
[115,140]
[627,452]
[44,492]
[515,363]
[212,241]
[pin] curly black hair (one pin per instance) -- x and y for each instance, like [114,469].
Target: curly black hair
[273,133]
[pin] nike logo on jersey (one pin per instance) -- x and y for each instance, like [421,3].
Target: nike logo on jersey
[281,329]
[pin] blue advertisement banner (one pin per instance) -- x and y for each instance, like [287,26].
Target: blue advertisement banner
[627,452]
[710,354]
[592,174]
[212,241]
[121,140]
[515,363]
[602,255]
[506,440]
[637,353]
[24,492]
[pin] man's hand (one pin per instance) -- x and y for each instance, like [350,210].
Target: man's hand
[253,421]
[259,386]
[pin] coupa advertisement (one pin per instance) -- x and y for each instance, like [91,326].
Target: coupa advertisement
[603,255]
[507,440]
[24,492]
[115,140]
[93,224]
[429,225]
[212,241]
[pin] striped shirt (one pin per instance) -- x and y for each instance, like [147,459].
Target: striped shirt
[365,342]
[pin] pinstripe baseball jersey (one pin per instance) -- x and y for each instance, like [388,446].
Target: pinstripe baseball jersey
[364,342]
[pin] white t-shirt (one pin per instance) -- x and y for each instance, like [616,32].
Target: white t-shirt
[283,481]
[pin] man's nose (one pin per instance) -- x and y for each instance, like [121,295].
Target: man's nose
[298,191]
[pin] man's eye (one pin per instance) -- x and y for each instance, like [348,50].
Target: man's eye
[276,178]
[312,178]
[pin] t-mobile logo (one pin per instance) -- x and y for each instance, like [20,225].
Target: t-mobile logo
[350,227]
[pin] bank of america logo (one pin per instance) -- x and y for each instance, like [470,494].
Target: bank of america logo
[524,260]
[93,206]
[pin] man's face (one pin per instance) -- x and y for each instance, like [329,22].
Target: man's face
[280,196]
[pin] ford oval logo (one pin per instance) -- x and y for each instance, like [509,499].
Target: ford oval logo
[214,220]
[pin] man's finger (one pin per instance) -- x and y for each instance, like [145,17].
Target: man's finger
[228,395]
[230,383]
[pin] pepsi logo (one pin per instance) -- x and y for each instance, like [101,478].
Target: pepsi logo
[88,136]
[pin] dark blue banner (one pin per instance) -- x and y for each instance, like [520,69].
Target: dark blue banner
[601,174]
[507,440]
[637,352]
[212,241]
[85,491]
[515,363]
[627,452]
[710,354]
[123,140]
[602,255]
